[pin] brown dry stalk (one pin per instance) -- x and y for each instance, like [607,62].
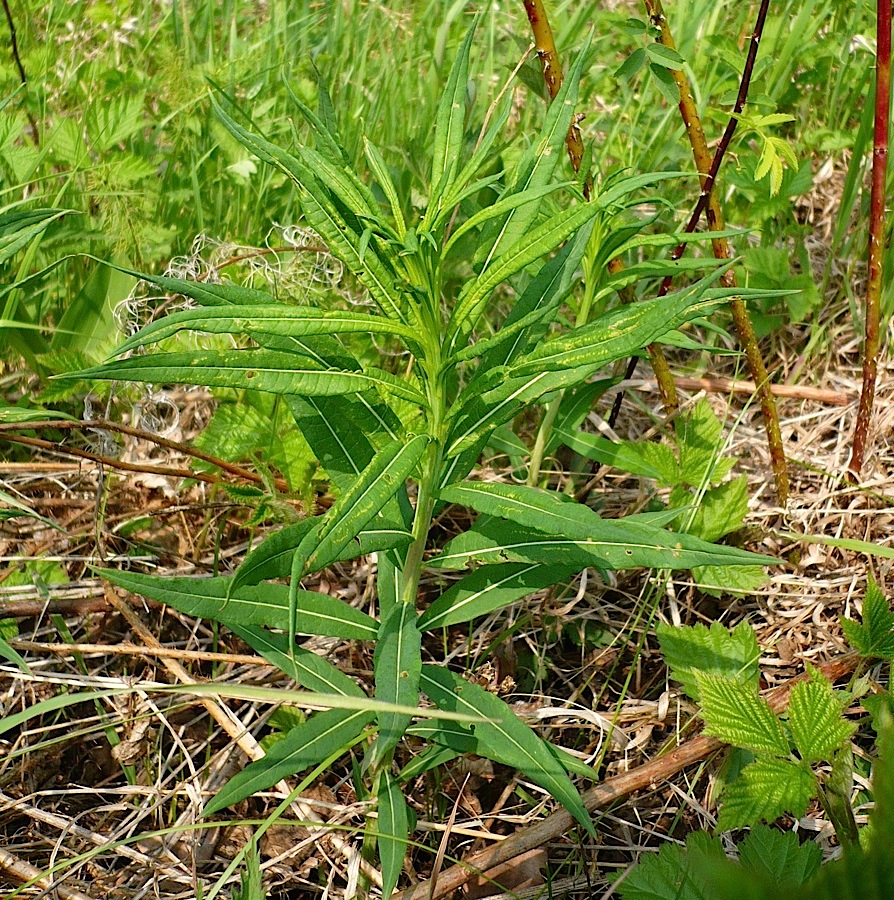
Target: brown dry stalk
[731,386]
[553,76]
[648,776]
[876,235]
[703,162]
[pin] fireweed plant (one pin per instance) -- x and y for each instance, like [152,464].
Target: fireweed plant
[398,448]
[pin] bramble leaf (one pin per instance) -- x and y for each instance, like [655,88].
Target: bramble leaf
[816,719]
[765,790]
[735,713]
[689,650]
[874,638]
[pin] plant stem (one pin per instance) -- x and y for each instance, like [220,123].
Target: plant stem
[876,235]
[721,248]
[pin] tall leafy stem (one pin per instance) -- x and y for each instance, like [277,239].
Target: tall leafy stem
[383,438]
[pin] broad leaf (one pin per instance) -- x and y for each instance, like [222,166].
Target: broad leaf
[504,738]
[874,638]
[765,790]
[816,718]
[717,650]
[735,713]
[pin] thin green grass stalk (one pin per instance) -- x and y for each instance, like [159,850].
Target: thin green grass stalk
[876,235]
[703,157]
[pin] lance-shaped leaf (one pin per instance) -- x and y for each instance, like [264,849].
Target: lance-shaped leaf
[397,664]
[534,246]
[393,831]
[323,216]
[613,544]
[378,483]
[380,169]
[19,227]
[489,588]
[505,738]
[309,669]
[449,122]
[536,167]
[324,134]
[304,746]
[535,309]
[284,321]
[269,371]
[264,605]
[273,558]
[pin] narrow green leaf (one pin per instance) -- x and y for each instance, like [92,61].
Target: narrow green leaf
[261,370]
[504,204]
[357,507]
[285,321]
[397,664]
[264,605]
[449,122]
[310,670]
[302,747]
[273,557]
[735,713]
[324,135]
[536,167]
[533,246]
[326,220]
[19,228]
[816,718]
[764,791]
[393,831]
[380,170]
[505,738]
[572,530]
[42,707]
[489,588]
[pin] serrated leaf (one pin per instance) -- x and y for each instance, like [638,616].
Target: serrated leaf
[393,831]
[764,791]
[260,370]
[700,443]
[397,665]
[722,509]
[309,669]
[505,738]
[717,650]
[816,719]
[735,713]
[489,588]
[769,854]
[304,746]
[674,873]
[874,638]
[264,605]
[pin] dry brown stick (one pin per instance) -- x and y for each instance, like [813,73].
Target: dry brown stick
[742,320]
[732,386]
[105,425]
[26,609]
[238,659]
[876,235]
[648,776]
[22,871]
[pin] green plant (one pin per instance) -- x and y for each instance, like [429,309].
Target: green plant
[385,438]
[776,768]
